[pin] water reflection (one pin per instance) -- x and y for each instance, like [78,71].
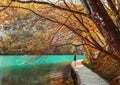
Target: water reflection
[35,73]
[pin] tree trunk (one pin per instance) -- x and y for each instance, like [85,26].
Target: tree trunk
[105,25]
[115,11]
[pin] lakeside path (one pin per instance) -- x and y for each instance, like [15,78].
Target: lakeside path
[85,76]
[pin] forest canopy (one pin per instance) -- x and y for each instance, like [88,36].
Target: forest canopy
[86,24]
[89,27]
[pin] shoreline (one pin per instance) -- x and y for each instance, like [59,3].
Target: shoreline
[74,76]
[86,76]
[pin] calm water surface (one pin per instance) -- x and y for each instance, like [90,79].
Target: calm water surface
[35,70]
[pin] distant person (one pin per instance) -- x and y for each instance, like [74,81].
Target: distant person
[75,59]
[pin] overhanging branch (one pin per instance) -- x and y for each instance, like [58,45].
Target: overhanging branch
[52,5]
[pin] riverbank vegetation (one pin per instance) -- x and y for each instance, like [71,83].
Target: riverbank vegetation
[27,33]
[64,27]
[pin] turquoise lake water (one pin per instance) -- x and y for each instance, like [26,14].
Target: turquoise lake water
[18,60]
[33,70]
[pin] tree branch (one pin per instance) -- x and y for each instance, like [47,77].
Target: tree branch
[52,5]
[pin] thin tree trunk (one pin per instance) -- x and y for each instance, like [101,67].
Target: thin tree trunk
[105,25]
[115,11]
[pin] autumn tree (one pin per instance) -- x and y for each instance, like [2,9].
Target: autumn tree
[108,29]
[79,21]
[31,34]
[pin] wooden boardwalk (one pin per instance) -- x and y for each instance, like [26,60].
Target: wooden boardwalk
[85,76]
